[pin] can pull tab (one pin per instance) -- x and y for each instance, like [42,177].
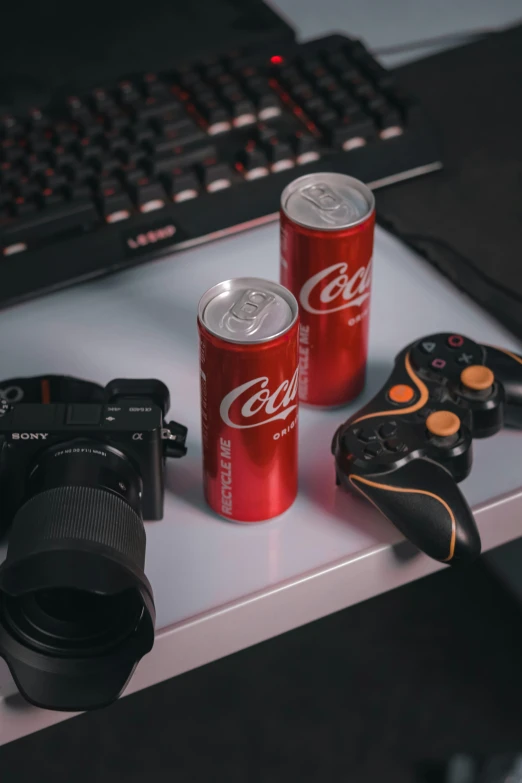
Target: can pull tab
[322,196]
[248,313]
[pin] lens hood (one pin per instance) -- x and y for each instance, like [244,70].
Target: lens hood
[76,609]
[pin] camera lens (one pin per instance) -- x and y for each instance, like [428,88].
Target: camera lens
[76,610]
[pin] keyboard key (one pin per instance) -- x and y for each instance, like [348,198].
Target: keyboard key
[63,159]
[115,204]
[50,197]
[101,100]
[180,133]
[352,132]
[156,107]
[10,151]
[28,189]
[23,206]
[183,187]
[153,86]
[10,127]
[253,162]
[268,106]
[78,192]
[216,115]
[81,174]
[305,148]
[181,158]
[148,195]
[131,173]
[48,222]
[127,92]
[140,133]
[53,179]
[217,177]
[280,155]
[34,165]
[390,122]
[242,109]
[38,143]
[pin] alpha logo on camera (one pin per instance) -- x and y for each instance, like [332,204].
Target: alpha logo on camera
[255,399]
[30,435]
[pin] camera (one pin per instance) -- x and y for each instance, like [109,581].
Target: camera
[80,469]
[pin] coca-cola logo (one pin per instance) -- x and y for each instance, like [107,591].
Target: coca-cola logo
[254,399]
[332,289]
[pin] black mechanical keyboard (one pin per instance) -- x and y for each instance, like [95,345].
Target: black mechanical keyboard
[160,162]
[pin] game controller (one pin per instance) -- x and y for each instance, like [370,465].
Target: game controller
[406,450]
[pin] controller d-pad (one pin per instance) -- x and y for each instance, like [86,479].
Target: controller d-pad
[394,444]
[373,450]
[388,430]
[367,434]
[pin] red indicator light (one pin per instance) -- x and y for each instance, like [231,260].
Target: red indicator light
[276,59]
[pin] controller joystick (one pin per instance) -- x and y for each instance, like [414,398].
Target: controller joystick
[408,448]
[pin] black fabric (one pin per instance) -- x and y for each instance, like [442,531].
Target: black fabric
[467,218]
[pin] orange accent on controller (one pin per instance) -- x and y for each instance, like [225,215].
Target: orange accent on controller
[477,377]
[443,423]
[375,484]
[401,393]
[423,399]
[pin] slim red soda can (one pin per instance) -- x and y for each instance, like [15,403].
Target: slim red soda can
[249,332]
[327,228]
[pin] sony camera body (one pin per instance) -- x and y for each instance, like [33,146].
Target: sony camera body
[77,478]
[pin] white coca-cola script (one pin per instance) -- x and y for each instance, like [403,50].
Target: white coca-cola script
[334,286]
[256,398]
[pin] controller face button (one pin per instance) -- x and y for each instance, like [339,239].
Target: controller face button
[367,434]
[401,394]
[388,430]
[438,364]
[477,377]
[465,358]
[455,341]
[394,444]
[443,424]
[428,346]
[373,450]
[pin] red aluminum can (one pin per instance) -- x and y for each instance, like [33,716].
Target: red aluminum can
[327,228]
[249,332]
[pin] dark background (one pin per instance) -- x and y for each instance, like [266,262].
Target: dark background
[383,691]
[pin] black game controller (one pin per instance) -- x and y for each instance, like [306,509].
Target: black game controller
[406,450]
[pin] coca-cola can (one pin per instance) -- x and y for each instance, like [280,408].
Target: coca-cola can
[327,228]
[249,333]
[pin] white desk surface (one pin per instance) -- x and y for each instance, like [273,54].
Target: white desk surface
[220,587]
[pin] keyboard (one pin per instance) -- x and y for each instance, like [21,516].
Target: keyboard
[159,162]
